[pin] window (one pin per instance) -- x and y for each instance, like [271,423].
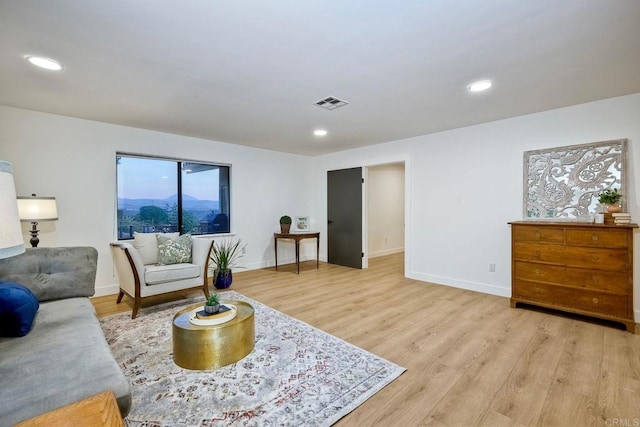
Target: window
[164,195]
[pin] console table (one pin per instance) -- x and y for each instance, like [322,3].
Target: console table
[297,237]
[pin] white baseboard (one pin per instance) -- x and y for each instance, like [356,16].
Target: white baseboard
[462,284]
[113,289]
[384,252]
[107,290]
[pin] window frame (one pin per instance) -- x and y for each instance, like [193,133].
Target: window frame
[179,162]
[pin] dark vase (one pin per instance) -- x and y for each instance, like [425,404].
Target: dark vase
[223,279]
[285,228]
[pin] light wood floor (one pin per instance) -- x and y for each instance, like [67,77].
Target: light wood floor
[470,358]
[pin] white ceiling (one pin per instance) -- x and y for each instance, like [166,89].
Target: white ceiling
[248,71]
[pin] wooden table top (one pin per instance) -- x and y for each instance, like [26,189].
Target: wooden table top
[100,410]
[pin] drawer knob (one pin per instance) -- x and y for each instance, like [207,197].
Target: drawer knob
[538,253]
[537,235]
[595,278]
[595,300]
[537,291]
[594,237]
[537,271]
[595,257]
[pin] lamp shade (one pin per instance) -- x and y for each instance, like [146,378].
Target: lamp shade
[37,208]
[11,241]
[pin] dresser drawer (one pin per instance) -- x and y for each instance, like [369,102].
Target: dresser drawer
[537,234]
[539,272]
[602,238]
[579,299]
[596,258]
[573,256]
[597,280]
[537,252]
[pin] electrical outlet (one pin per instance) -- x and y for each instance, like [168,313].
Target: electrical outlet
[492,267]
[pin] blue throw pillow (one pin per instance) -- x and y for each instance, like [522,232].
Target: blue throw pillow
[18,307]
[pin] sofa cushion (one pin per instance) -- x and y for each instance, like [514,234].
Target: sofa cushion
[65,358]
[156,274]
[174,251]
[53,273]
[18,308]
[147,245]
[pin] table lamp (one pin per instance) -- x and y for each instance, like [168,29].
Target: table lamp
[36,209]
[11,242]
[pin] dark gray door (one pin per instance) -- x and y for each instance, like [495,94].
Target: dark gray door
[344,215]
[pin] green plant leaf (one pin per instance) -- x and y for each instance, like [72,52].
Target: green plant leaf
[225,255]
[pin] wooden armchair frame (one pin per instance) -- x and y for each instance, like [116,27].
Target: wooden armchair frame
[130,281]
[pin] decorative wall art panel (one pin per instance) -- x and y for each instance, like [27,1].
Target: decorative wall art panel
[563,183]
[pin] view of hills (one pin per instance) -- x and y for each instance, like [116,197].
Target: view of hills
[199,208]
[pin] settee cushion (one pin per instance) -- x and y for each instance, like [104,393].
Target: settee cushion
[156,274]
[18,308]
[147,245]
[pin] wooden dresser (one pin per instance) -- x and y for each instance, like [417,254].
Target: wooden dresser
[575,267]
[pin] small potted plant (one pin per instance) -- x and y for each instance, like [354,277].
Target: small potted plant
[285,224]
[224,256]
[611,198]
[212,305]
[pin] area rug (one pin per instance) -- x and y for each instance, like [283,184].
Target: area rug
[296,375]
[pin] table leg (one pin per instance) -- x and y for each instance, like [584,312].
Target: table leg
[317,252]
[276,249]
[298,255]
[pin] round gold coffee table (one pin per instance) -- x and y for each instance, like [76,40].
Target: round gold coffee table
[212,346]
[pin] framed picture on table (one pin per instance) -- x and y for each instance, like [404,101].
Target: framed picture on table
[301,223]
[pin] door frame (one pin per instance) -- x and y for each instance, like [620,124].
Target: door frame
[365,217]
[365,214]
[365,210]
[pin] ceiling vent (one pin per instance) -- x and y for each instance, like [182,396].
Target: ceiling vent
[330,103]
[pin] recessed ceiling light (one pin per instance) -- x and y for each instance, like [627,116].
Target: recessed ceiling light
[46,63]
[480,85]
[320,132]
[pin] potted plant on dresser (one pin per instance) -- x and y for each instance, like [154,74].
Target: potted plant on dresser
[223,257]
[611,198]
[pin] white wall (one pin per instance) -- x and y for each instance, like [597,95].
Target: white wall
[463,186]
[385,209]
[74,160]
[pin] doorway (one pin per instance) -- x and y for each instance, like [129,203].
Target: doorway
[385,231]
[365,213]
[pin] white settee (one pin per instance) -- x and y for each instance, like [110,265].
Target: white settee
[141,276]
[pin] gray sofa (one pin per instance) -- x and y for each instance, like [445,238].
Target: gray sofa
[65,357]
